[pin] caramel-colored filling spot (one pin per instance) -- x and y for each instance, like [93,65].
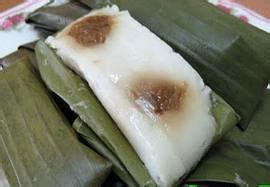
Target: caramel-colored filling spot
[91,30]
[159,96]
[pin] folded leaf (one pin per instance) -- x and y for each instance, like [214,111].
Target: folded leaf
[37,148]
[74,91]
[93,140]
[56,18]
[18,55]
[242,158]
[232,57]
[226,117]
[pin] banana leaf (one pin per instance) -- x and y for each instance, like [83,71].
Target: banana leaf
[56,18]
[76,93]
[242,158]
[93,140]
[226,118]
[14,57]
[37,146]
[231,56]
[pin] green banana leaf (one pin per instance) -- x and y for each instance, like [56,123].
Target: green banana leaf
[242,158]
[226,117]
[56,18]
[74,91]
[37,146]
[18,55]
[231,56]
[93,140]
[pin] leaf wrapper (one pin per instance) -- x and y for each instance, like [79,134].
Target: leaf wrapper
[93,140]
[37,148]
[52,19]
[226,117]
[242,158]
[74,91]
[16,56]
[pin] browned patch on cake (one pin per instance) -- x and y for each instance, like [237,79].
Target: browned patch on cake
[7,4]
[91,30]
[159,96]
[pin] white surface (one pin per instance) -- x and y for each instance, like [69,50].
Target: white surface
[10,40]
[58,2]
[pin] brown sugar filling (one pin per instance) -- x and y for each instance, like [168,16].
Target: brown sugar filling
[159,96]
[91,30]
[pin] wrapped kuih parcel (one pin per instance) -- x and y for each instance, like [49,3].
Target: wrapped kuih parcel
[37,145]
[158,101]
